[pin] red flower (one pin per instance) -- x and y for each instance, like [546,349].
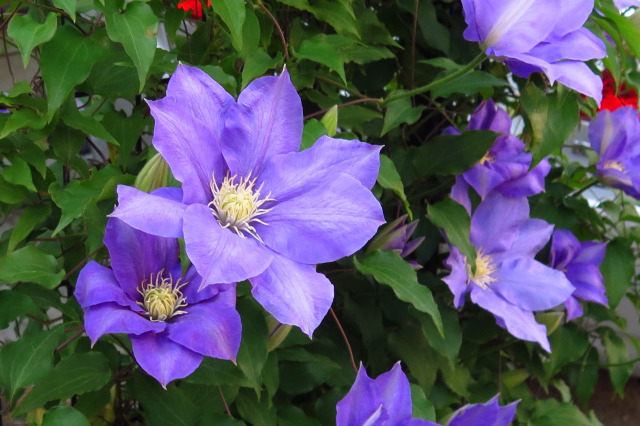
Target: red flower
[195,6]
[611,100]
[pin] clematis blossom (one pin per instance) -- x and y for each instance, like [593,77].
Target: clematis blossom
[539,36]
[505,167]
[172,325]
[252,206]
[580,262]
[508,281]
[386,401]
[616,137]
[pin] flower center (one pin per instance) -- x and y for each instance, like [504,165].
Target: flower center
[162,299]
[485,269]
[487,158]
[237,205]
[616,165]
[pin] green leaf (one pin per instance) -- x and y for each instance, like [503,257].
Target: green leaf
[617,269]
[552,118]
[62,72]
[27,33]
[629,31]
[617,353]
[24,117]
[409,345]
[28,359]
[253,349]
[330,120]
[74,199]
[398,112]
[257,411]
[339,14]
[170,407]
[313,130]
[74,375]
[568,344]
[452,154]
[468,84]
[12,194]
[448,344]
[218,372]
[232,13]
[257,64]
[14,304]
[389,178]
[320,51]
[64,416]
[137,30]
[550,412]
[19,173]
[30,264]
[454,219]
[387,267]
[86,124]
[68,6]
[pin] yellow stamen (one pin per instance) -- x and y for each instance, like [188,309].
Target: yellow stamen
[487,158]
[161,298]
[485,269]
[237,205]
[616,165]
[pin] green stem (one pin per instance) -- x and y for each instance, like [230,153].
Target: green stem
[462,71]
[584,188]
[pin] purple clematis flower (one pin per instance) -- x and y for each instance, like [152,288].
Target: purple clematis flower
[252,206]
[615,135]
[580,262]
[539,36]
[172,326]
[508,281]
[386,401]
[505,167]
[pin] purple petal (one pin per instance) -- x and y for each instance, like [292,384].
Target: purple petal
[574,308]
[488,414]
[163,359]
[208,328]
[580,45]
[529,184]
[97,284]
[533,235]
[579,77]
[483,179]
[329,221]
[457,279]
[518,322]
[610,131]
[219,254]
[196,292]
[396,394]
[495,223]
[574,14]
[294,293]
[136,255]
[588,281]
[266,121]
[531,285]
[490,117]
[111,318]
[564,247]
[591,252]
[460,193]
[362,402]
[188,123]
[149,213]
[289,174]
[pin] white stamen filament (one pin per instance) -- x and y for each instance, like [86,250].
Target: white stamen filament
[485,269]
[237,205]
[162,299]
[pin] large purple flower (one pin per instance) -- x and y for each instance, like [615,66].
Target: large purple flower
[508,281]
[252,206]
[386,401]
[172,326]
[580,262]
[615,135]
[539,36]
[505,167]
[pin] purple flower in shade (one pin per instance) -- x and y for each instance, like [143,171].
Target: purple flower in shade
[505,167]
[580,263]
[386,401]
[539,36]
[252,206]
[171,325]
[508,281]
[615,135]
[395,236]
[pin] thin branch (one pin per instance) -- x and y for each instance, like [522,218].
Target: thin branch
[71,339]
[413,47]
[346,340]
[224,401]
[97,150]
[285,45]
[123,346]
[356,101]
[6,22]
[6,50]
[342,86]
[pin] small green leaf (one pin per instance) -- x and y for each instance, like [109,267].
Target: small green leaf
[14,304]
[137,30]
[30,264]
[218,372]
[320,51]
[86,124]
[339,14]
[74,375]
[400,111]
[68,6]
[170,407]
[387,267]
[232,13]
[27,33]
[313,130]
[28,220]
[550,412]
[468,84]
[257,64]
[552,118]
[19,173]
[389,178]
[64,416]
[452,154]
[28,359]
[330,120]
[24,117]
[617,353]
[448,344]
[617,269]
[257,411]
[454,219]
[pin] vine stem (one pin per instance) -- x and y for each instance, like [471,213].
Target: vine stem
[355,101]
[581,190]
[462,71]
[285,45]
[224,401]
[346,340]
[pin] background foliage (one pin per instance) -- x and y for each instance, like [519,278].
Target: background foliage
[80,126]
